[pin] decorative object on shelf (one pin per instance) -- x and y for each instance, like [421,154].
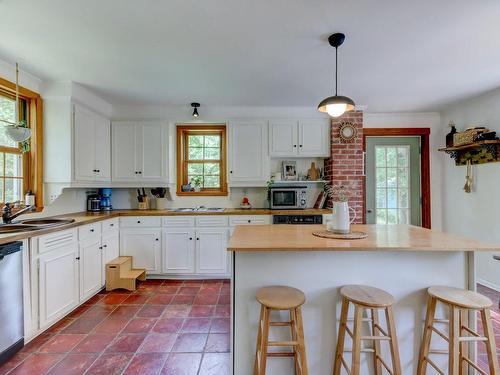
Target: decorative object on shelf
[468,136]
[480,152]
[354,235]
[347,132]
[449,136]
[336,105]
[245,203]
[468,177]
[18,131]
[276,176]
[321,200]
[290,171]
[195,110]
[313,173]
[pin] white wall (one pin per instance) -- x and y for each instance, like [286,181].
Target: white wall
[27,80]
[476,214]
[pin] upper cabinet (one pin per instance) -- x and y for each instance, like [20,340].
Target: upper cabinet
[248,153]
[92,146]
[139,151]
[302,138]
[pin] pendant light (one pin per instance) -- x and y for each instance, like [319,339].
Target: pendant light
[336,105]
[195,111]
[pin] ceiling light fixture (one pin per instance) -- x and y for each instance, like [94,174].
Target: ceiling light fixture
[195,111]
[336,105]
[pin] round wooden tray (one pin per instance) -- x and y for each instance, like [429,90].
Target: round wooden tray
[354,235]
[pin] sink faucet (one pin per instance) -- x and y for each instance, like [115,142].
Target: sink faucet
[8,216]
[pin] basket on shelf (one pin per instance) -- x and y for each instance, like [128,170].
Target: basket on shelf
[467,136]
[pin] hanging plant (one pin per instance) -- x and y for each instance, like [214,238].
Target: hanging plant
[24,146]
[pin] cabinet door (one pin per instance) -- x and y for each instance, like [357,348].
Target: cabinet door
[144,245]
[124,151]
[248,152]
[90,267]
[102,149]
[84,130]
[58,283]
[283,138]
[151,158]
[314,137]
[178,250]
[111,250]
[211,254]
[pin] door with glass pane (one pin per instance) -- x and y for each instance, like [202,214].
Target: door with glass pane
[393,180]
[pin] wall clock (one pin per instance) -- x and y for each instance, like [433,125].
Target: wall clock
[347,132]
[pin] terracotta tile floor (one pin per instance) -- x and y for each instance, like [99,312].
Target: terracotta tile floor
[168,327]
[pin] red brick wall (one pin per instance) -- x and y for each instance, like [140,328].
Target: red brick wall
[345,166]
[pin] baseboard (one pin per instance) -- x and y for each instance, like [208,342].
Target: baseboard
[489,285]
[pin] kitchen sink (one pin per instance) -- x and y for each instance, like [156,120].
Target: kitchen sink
[13,228]
[47,222]
[200,209]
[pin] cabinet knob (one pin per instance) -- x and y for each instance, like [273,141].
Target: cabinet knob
[230,171]
[157,239]
[139,172]
[100,247]
[249,221]
[190,238]
[300,145]
[136,172]
[105,245]
[98,170]
[294,145]
[77,258]
[197,238]
[91,230]
[111,225]
[138,221]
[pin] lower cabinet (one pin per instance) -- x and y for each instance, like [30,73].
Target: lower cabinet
[58,283]
[91,260]
[110,251]
[144,245]
[211,254]
[179,250]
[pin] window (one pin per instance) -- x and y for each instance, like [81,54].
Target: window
[201,160]
[392,171]
[20,172]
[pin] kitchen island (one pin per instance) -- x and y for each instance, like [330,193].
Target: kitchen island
[403,260]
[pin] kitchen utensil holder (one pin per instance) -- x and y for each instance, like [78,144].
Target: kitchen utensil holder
[161,203]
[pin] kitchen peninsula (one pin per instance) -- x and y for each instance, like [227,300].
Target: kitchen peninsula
[403,260]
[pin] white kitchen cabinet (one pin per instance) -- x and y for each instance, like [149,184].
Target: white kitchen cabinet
[90,266]
[57,283]
[139,152]
[179,250]
[144,245]
[92,146]
[211,253]
[248,153]
[110,251]
[302,138]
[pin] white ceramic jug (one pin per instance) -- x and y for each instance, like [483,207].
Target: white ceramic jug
[341,221]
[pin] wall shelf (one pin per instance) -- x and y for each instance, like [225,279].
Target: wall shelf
[478,152]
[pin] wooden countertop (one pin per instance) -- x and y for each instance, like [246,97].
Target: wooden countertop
[82,218]
[262,238]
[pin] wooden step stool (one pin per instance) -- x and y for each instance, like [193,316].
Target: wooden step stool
[121,275]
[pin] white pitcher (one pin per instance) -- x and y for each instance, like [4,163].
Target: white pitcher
[341,221]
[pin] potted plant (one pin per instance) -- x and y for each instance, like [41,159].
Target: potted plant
[197,182]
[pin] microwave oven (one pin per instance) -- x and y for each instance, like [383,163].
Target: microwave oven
[288,198]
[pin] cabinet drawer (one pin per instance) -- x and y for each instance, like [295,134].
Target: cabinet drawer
[178,221]
[110,226]
[56,240]
[211,221]
[140,221]
[89,230]
[249,220]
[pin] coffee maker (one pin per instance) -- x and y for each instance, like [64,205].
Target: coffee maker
[105,203]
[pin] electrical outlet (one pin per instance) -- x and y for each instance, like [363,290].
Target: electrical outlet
[52,198]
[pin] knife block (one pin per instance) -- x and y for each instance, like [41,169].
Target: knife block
[144,205]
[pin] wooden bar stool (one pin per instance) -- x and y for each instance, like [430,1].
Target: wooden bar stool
[280,298]
[459,303]
[374,299]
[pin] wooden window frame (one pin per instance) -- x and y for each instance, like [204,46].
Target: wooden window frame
[183,131]
[425,169]
[32,160]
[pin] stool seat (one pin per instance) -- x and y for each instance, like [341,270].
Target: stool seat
[367,296]
[459,297]
[280,297]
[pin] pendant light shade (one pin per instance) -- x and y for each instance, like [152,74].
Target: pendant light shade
[336,105]
[195,110]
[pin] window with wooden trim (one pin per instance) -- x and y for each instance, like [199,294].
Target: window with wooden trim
[201,160]
[20,172]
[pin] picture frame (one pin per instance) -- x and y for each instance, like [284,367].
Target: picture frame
[290,171]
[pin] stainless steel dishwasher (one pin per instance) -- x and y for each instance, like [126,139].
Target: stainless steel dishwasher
[11,300]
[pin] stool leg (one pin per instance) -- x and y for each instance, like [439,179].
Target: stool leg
[426,340]
[258,354]
[293,329]
[391,331]
[454,343]
[464,346]
[339,351]
[490,344]
[376,343]
[301,346]
[356,340]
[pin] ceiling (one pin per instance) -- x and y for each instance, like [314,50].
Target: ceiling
[398,55]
